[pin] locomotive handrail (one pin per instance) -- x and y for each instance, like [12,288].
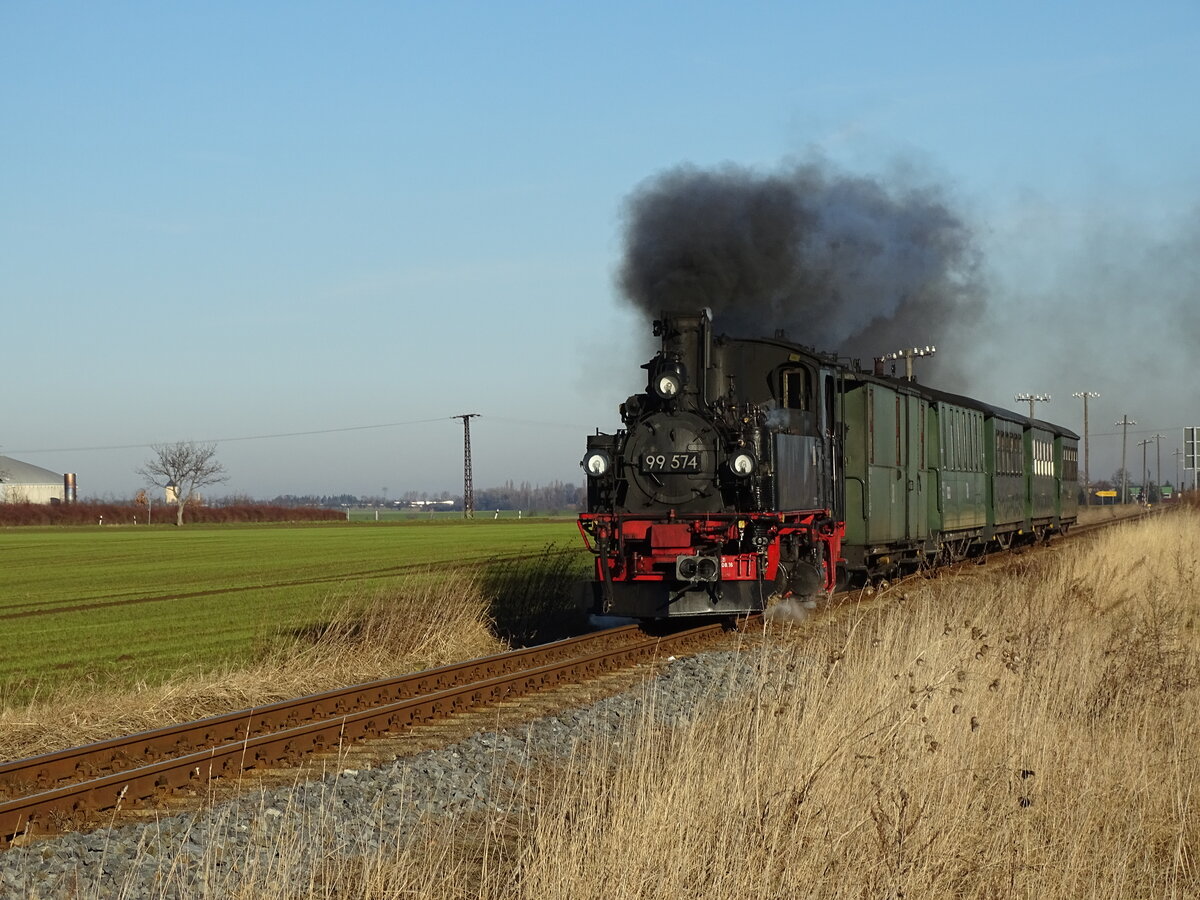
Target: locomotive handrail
[866,497]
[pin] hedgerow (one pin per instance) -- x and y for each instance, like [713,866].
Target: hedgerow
[15,514]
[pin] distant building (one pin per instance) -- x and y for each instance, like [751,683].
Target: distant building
[21,482]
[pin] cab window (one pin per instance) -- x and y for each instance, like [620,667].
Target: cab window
[796,389]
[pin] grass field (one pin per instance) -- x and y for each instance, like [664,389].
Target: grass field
[124,605]
[441,516]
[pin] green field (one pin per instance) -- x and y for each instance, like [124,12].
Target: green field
[390,514]
[126,604]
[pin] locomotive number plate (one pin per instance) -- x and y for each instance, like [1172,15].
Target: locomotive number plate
[676,461]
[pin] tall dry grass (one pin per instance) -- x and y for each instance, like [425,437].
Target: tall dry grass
[419,625]
[1025,732]
[1032,735]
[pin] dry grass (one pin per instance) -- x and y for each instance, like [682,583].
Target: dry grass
[1089,515]
[1036,738]
[419,626]
[1025,732]
[984,738]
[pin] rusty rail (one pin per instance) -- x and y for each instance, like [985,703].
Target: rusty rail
[132,771]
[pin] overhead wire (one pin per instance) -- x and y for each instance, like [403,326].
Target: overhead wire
[292,434]
[251,437]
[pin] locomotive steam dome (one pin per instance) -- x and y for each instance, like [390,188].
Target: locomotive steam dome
[672,459]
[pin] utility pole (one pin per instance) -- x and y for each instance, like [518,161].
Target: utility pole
[468,488]
[1191,453]
[1124,423]
[1158,439]
[1032,398]
[1087,484]
[1178,454]
[1145,487]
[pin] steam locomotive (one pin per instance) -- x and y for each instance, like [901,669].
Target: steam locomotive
[752,469]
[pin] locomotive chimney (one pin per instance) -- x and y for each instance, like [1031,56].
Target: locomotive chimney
[688,338]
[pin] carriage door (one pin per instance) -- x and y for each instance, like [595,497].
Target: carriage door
[915,467]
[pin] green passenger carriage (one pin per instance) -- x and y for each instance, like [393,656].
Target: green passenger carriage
[936,477]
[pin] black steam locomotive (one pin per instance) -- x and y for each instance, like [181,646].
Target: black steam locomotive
[720,490]
[751,469]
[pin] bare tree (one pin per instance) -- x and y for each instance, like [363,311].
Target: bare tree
[182,469]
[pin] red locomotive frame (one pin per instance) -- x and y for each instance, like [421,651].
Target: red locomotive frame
[635,548]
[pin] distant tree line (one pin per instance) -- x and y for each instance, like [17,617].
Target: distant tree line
[556,495]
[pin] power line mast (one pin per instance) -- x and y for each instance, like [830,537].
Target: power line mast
[1124,423]
[1158,438]
[1087,484]
[1145,477]
[468,487]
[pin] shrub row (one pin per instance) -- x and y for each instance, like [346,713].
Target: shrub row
[132,514]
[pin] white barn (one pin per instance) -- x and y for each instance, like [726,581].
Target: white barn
[21,482]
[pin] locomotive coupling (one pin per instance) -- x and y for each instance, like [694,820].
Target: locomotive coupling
[698,568]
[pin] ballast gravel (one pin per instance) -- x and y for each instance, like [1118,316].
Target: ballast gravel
[349,813]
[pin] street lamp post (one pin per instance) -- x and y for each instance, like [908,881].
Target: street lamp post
[908,356]
[1087,484]
[1032,399]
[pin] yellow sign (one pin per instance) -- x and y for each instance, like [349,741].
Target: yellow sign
[1106,493]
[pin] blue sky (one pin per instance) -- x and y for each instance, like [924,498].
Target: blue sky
[225,221]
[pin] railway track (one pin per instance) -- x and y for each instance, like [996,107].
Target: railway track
[68,787]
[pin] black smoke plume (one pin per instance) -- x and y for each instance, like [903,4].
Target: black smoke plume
[841,263]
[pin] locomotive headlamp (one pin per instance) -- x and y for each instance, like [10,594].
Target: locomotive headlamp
[596,463]
[667,377]
[698,568]
[742,464]
[667,385]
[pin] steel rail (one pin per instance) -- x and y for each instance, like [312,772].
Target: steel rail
[234,746]
[90,760]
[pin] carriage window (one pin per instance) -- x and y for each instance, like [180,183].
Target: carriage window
[951,445]
[797,389]
[960,440]
[976,443]
[899,461]
[924,409]
[1070,463]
